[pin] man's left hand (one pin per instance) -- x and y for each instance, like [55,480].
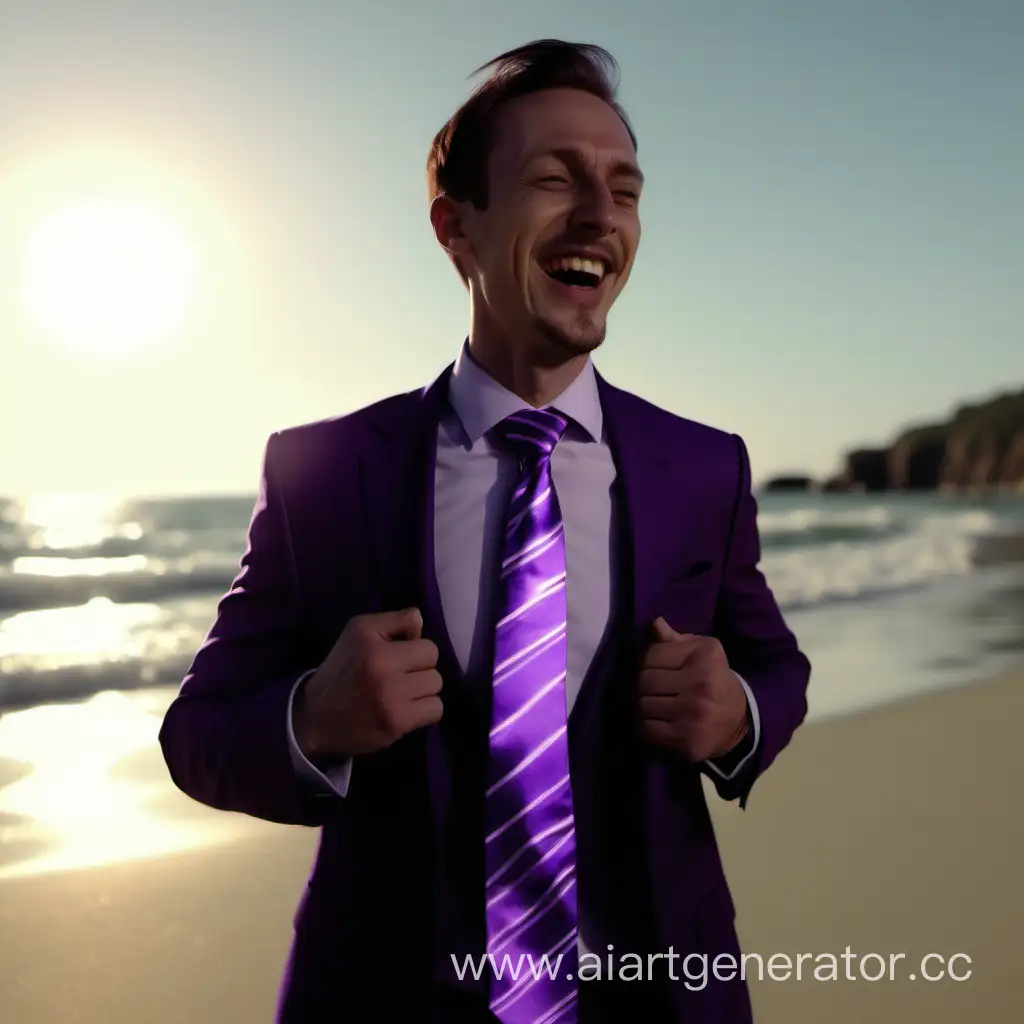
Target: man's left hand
[690,701]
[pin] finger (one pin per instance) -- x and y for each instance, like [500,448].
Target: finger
[671,654]
[662,630]
[422,712]
[677,708]
[659,708]
[413,655]
[426,683]
[667,735]
[661,734]
[406,624]
[665,633]
[655,682]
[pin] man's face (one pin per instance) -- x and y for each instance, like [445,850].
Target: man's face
[555,246]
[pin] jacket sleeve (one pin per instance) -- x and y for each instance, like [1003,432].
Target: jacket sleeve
[224,736]
[759,645]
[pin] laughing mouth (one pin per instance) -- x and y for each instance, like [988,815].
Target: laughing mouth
[576,271]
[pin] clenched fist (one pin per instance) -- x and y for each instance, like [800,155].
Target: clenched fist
[379,682]
[690,702]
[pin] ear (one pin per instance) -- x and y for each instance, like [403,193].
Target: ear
[446,218]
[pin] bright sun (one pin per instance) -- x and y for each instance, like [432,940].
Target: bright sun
[108,276]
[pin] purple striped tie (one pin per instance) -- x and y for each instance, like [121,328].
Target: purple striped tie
[530,844]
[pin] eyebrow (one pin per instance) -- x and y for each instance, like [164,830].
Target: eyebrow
[621,168]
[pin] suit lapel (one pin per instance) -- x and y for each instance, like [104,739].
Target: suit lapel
[650,502]
[396,477]
[664,510]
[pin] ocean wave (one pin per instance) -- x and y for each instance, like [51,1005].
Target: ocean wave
[843,570]
[25,591]
[125,603]
[66,653]
[816,525]
[31,687]
[810,520]
[15,544]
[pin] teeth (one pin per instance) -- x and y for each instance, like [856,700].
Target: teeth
[595,267]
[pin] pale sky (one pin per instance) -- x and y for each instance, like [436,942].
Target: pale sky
[833,218]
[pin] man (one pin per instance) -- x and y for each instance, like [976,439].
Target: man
[488,636]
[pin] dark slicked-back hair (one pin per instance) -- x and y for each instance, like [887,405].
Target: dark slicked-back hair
[459,155]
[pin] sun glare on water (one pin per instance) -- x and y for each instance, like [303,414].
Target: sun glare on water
[109,276]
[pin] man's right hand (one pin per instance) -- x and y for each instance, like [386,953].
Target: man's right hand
[379,682]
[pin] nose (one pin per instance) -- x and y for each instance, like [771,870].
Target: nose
[594,210]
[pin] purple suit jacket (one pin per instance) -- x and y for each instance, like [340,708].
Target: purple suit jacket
[342,526]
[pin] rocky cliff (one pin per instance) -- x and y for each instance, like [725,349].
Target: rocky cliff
[979,446]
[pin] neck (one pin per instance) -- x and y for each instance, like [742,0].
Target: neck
[535,378]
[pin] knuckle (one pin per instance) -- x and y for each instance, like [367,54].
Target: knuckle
[359,625]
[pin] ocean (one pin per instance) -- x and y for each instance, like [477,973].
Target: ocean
[888,594]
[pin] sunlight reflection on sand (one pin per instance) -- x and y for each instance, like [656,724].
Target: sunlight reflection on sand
[77,803]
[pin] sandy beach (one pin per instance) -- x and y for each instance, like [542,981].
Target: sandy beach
[896,830]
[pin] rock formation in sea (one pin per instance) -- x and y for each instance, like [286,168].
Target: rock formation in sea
[980,446]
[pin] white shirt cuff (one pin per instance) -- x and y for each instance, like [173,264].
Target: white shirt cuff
[337,777]
[756,729]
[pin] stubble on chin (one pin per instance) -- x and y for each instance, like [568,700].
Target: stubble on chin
[582,338]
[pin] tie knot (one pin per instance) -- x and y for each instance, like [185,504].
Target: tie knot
[533,432]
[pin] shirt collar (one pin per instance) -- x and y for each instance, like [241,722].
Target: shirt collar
[481,403]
